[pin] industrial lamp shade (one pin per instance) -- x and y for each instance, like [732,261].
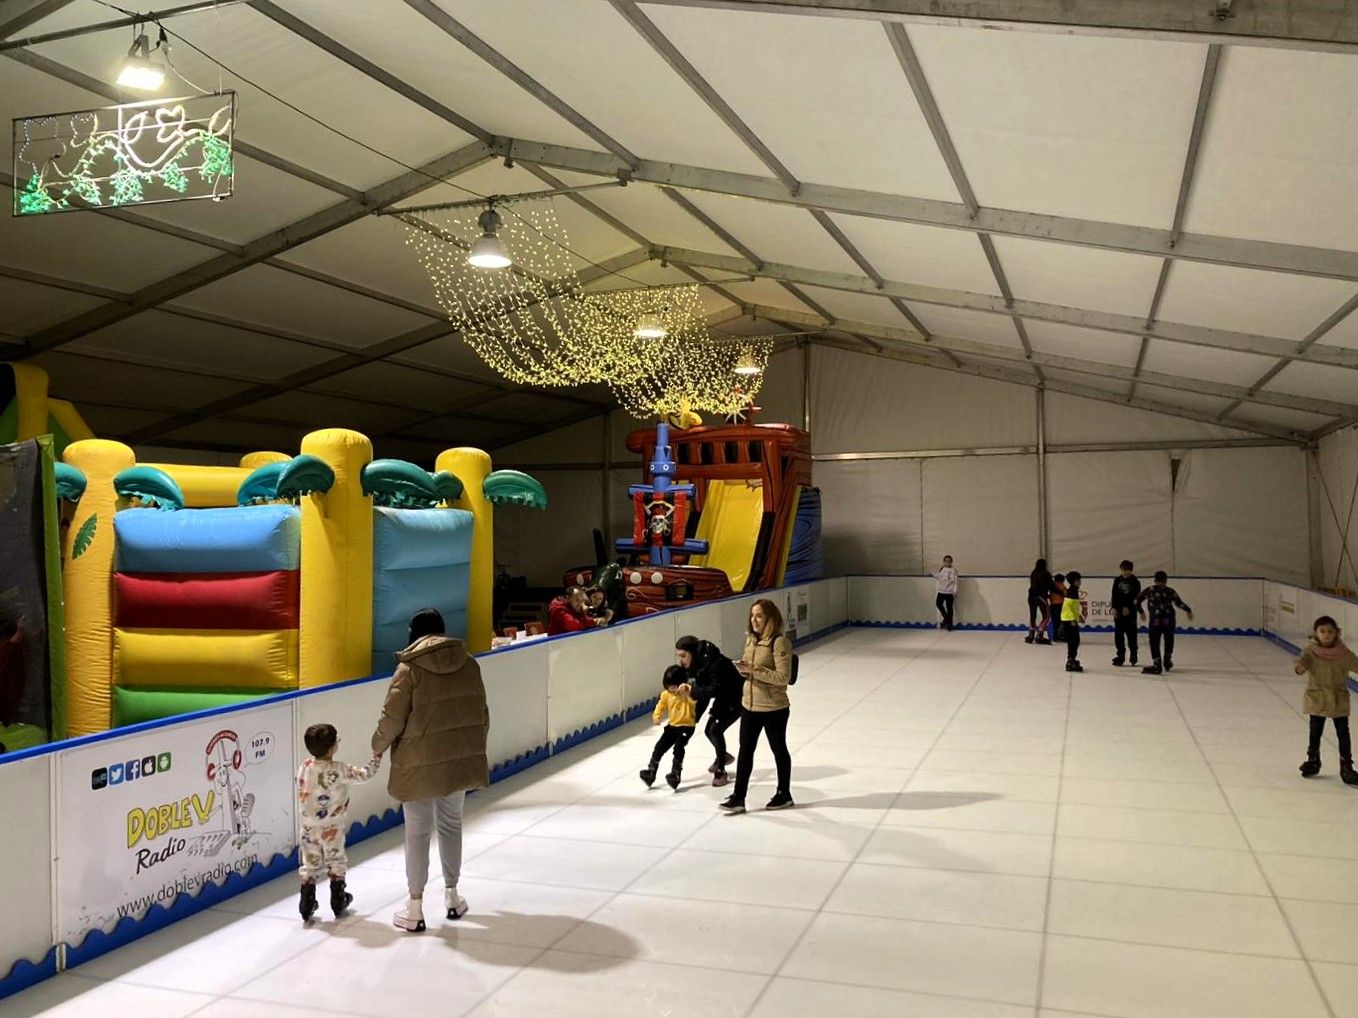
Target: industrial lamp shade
[139,71]
[486,251]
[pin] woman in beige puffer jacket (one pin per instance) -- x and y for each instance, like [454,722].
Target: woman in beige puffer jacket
[766,665]
[435,721]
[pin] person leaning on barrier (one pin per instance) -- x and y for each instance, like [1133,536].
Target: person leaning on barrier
[569,613]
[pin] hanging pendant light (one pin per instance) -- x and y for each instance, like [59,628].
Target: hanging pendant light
[747,366]
[649,326]
[486,251]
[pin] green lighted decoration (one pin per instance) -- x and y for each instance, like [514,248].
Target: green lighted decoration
[134,154]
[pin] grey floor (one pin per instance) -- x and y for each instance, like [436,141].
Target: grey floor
[978,835]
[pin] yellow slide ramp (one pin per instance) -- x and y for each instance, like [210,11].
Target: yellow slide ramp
[730,524]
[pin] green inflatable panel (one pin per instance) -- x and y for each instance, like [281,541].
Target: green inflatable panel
[132,706]
[514,487]
[70,482]
[150,486]
[400,484]
[304,474]
[261,485]
[448,485]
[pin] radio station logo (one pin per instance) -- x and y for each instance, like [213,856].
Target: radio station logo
[129,770]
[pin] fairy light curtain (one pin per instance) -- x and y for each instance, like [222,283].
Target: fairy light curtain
[535,324]
[133,154]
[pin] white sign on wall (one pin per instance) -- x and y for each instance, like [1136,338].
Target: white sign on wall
[145,818]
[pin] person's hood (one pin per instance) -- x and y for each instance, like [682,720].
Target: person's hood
[441,654]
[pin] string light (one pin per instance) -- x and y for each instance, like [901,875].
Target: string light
[536,325]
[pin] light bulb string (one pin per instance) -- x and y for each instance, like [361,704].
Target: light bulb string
[223,66]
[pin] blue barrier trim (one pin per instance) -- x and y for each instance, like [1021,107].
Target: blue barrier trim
[23,974]
[1009,627]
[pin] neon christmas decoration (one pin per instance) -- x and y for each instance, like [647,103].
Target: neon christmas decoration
[132,154]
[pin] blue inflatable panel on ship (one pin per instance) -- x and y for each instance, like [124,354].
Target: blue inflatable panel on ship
[244,539]
[805,562]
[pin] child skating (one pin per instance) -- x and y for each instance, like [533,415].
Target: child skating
[1161,599]
[1327,662]
[676,708]
[323,815]
[1074,610]
[1126,589]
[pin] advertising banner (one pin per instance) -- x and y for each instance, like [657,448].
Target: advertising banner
[165,812]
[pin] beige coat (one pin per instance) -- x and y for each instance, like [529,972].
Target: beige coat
[435,721]
[1327,686]
[771,661]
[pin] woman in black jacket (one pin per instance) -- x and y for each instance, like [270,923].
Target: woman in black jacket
[1040,588]
[715,681]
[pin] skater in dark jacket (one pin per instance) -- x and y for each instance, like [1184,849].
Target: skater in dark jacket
[715,682]
[1126,589]
[1162,599]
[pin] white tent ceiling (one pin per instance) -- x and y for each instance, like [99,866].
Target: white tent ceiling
[1122,201]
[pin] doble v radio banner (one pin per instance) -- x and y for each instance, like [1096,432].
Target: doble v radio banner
[166,812]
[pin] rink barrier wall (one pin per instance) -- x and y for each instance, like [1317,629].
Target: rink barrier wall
[545,697]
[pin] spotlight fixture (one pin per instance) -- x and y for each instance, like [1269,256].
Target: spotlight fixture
[486,251]
[747,366]
[138,70]
[649,326]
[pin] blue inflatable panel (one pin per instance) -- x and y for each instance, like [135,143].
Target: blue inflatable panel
[805,562]
[243,539]
[419,538]
[421,559]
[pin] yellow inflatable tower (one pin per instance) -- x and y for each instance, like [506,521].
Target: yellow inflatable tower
[337,563]
[472,467]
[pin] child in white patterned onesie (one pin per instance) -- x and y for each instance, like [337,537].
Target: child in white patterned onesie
[323,814]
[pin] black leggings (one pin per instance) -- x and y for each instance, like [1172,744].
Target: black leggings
[674,738]
[774,724]
[1156,636]
[1037,610]
[1341,731]
[717,723]
[944,602]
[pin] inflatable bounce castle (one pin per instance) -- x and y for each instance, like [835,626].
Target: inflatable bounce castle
[189,587]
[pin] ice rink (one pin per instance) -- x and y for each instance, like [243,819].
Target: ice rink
[979,834]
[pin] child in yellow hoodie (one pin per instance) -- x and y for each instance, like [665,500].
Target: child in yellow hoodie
[676,704]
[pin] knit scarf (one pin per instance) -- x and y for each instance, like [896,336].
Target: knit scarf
[1333,652]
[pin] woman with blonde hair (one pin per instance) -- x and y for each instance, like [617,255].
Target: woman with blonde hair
[766,666]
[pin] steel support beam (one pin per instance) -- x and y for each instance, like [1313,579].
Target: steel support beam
[444,21]
[150,17]
[1205,87]
[990,351]
[347,362]
[19,14]
[1307,344]
[365,66]
[1002,374]
[1193,335]
[1284,24]
[724,112]
[114,94]
[1257,254]
[262,248]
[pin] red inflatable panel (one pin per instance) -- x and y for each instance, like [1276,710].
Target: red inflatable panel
[207,600]
[680,521]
